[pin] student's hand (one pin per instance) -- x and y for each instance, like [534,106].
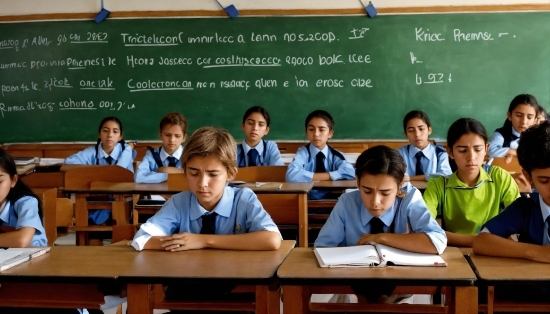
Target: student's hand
[370,239]
[131,144]
[522,182]
[542,255]
[508,159]
[183,241]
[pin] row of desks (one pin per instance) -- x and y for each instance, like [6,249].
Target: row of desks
[68,277]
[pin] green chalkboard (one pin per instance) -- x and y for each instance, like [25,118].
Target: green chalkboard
[60,78]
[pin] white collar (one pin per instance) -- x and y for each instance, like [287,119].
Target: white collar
[259,147]
[544,208]
[163,154]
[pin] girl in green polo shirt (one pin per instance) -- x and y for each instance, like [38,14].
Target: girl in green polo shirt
[474,193]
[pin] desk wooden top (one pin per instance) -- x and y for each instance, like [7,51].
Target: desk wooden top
[500,269]
[73,264]
[246,267]
[352,184]
[301,268]
[161,188]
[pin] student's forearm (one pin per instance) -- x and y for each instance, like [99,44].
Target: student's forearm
[153,243]
[321,176]
[413,242]
[462,240]
[253,241]
[19,238]
[493,245]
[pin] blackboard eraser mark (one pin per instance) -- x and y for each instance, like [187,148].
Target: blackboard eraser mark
[231,10]
[102,14]
[370,9]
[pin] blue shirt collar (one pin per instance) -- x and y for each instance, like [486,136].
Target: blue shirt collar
[516,133]
[544,208]
[427,151]
[387,217]
[314,150]
[115,153]
[163,154]
[223,208]
[260,147]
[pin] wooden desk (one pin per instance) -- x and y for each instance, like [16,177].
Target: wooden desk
[67,277]
[241,267]
[352,184]
[495,271]
[300,271]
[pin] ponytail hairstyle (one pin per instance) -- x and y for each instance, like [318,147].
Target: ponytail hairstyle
[464,126]
[381,160]
[7,165]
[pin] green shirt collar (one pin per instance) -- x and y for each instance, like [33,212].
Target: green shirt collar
[454,181]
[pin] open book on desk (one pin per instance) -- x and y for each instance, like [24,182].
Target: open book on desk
[15,256]
[377,255]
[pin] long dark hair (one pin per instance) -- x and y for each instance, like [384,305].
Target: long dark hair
[7,164]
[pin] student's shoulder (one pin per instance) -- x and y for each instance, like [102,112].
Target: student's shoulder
[350,200]
[497,173]
[403,150]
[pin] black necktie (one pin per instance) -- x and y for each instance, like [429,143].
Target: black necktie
[209,223]
[109,159]
[320,163]
[171,161]
[514,137]
[376,226]
[419,170]
[252,157]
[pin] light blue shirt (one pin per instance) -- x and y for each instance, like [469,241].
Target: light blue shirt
[302,168]
[545,210]
[432,165]
[239,211]
[24,213]
[350,220]
[123,158]
[272,154]
[495,147]
[147,169]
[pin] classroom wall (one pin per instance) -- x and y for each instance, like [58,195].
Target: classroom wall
[24,7]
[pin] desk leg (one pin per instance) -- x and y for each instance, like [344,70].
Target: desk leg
[140,299]
[268,299]
[296,299]
[465,300]
[302,220]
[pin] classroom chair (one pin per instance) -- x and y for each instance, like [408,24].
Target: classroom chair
[48,198]
[261,174]
[513,166]
[77,180]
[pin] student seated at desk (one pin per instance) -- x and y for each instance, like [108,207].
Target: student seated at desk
[317,160]
[212,214]
[473,194]
[254,151]
[522,113]
[384,210]
[158,162]
[109,150]
[20,209]
[528,216]
[542,116]
[423,159]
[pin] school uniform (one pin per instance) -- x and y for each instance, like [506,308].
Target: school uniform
[498,147]
[267,154]
[147,169]
[350,220]
[433,161]
[95,155]
[528,216]
[239,211]
[24,213]
[304,165]
[465,209]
